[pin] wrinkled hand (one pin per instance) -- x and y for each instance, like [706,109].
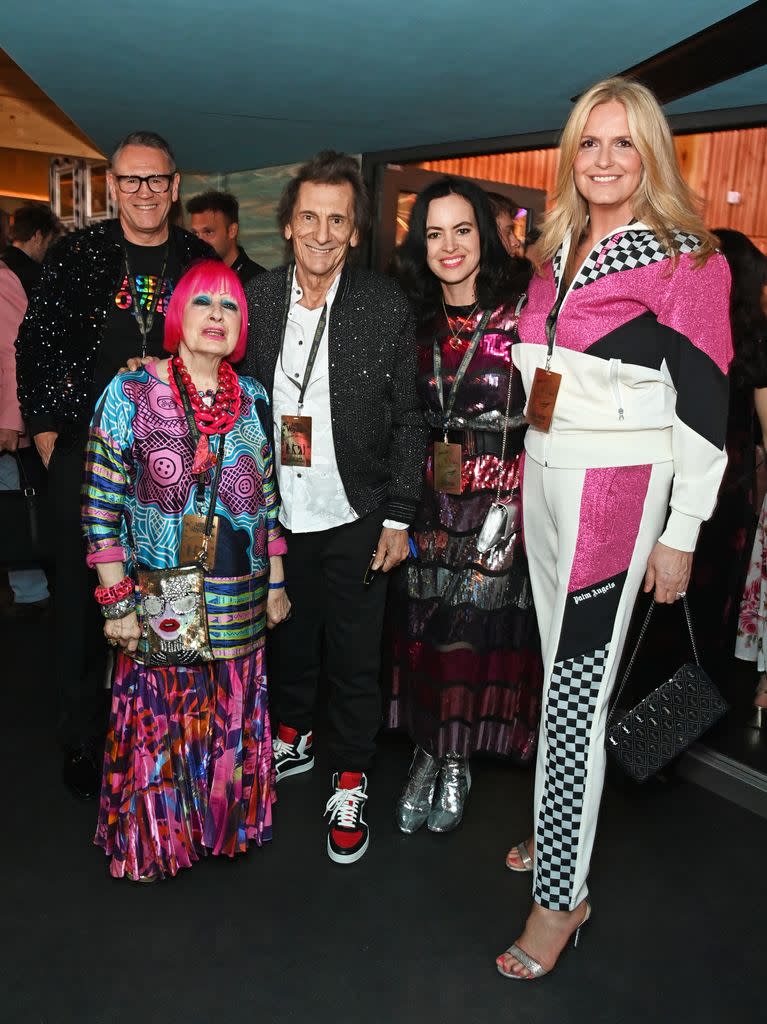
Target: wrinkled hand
[136,362]
[668,570]
[9,439]
[277,608]
[392,549]
[126,632]
[45,443]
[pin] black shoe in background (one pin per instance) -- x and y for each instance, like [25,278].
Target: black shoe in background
[81,774]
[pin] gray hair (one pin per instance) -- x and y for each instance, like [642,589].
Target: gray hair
[150,139]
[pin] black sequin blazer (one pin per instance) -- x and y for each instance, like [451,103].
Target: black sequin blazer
[378,428]
[61,333]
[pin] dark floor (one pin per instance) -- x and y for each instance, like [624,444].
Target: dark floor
[409,934]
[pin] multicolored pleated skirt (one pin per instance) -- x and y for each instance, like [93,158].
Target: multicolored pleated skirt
[187,765]
[465,673]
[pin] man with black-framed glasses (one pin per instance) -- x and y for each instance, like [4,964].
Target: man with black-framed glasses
[101,300]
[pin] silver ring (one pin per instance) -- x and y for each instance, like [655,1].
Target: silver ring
[681,593]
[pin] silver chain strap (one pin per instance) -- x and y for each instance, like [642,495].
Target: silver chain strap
[641,637]
[517,311]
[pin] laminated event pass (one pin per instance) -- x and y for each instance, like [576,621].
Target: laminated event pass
[447,467]
[296,441]
[543,397]
[192,536]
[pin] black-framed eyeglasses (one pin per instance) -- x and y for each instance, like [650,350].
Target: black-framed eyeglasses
[131,183]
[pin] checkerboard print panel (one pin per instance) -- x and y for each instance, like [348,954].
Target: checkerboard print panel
[632,249]
[629,252]
[573,697]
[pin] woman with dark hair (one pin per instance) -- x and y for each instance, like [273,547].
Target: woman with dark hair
[467,674]
[176,450]
[748,373]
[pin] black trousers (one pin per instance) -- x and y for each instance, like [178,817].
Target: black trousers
[80,651]
[324,573]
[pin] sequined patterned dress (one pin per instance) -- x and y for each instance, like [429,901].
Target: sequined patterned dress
[466,672]
[188,759]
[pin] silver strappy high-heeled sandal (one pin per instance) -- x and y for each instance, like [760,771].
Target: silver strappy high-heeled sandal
[524,855]
[529,963]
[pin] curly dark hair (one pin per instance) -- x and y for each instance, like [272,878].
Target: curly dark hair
[748,268]
[501,278]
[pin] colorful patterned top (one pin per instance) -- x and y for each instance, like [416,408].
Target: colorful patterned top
[139,485]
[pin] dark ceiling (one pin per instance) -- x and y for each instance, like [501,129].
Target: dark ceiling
[250,83]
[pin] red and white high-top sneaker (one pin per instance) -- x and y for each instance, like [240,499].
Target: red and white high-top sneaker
[348,834]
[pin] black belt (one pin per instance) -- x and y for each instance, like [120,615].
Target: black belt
[483,442]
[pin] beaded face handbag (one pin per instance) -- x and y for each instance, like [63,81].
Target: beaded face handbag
[175,624]
[668,720]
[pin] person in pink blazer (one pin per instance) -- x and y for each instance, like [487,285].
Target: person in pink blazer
[29,586]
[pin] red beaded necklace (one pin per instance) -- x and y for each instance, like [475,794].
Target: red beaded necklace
[217,418]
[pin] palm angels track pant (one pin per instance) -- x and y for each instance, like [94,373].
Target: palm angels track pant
[588,533]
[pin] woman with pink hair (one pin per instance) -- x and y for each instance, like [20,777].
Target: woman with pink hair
[178,449]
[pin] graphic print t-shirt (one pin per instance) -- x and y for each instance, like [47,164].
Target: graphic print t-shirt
[122,336]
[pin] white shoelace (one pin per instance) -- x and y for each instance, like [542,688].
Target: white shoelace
[281,748]
[345,805]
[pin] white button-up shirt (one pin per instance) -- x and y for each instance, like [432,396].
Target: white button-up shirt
[312,498]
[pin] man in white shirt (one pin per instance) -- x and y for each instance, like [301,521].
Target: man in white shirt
[335,347]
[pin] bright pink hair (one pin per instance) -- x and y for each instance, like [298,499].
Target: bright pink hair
[208,276]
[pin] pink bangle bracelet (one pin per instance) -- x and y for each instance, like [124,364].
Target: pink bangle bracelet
[115,593]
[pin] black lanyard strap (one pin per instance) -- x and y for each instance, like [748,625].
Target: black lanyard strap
[447,410]
[145,321]
[216,482]
[315,347]
[551,324]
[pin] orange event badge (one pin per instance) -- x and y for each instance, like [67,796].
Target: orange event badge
[296,441]
[543,397]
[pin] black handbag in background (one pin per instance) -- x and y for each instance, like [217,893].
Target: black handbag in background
[24,527]
[668,720]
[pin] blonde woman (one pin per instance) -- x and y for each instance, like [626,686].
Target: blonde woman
[624,349]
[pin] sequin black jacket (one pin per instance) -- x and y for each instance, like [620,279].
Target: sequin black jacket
[378,427]
[59,339]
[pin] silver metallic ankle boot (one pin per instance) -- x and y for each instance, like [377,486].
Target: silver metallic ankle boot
[452,789]
[415,803]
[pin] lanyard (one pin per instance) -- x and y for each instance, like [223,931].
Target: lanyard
[320,330]
[195,434]
[447,410]
[145,322]
[551,323]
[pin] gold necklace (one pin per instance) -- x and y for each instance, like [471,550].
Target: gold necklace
[455,335]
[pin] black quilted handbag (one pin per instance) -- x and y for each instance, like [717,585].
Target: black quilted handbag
[668,720]
[24,525]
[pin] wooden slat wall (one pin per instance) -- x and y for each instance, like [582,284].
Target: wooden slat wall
[714,164]
[533,168]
